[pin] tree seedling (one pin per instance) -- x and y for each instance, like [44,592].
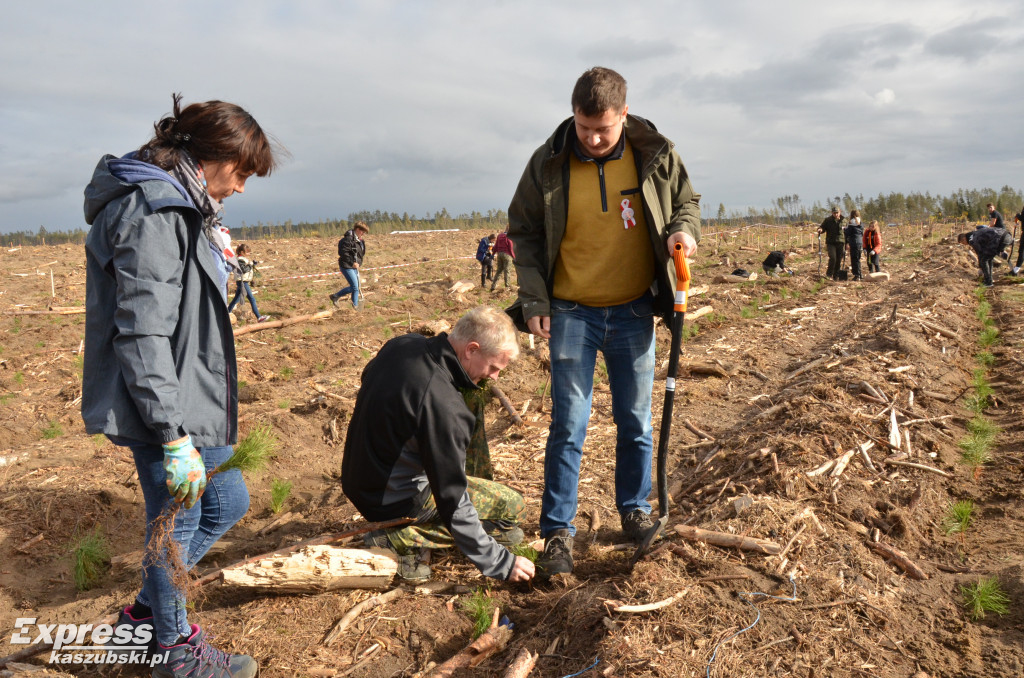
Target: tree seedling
[279,491]
[90,556]
[985,596]
[479,607]
[958,517]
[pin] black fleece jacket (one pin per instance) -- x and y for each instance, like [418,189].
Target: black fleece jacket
[408,435]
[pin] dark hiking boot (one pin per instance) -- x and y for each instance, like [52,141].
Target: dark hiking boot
[505,533]
[557,556]
[195,657]
[140,626]
[334,301]
[636,524]
[412,567]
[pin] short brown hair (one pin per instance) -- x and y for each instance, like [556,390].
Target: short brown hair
[361,226]
[213,131]
[598,90]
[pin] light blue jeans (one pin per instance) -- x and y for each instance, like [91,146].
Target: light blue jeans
[352,276]
[624,334]
[240,287]
[223,504]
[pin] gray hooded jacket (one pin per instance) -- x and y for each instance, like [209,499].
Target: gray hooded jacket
[159,349]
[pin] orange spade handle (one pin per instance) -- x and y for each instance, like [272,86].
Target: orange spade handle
[682,278]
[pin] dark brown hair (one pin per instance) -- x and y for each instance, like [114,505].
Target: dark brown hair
[211,131]
[599,90]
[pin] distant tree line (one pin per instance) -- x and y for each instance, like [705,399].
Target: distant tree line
[963,204]
[378,221]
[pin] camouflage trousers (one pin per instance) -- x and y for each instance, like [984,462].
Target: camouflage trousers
[498,506]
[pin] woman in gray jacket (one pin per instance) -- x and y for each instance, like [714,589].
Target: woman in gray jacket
[159,375]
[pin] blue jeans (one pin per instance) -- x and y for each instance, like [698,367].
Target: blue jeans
[242,286]
[223,504]
[625,336]
[352,276]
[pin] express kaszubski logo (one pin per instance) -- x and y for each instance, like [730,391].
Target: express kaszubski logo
[89,644]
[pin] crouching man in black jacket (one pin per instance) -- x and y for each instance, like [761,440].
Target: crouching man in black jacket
[405,452]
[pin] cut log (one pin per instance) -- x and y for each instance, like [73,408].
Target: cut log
[720,279]
[700,367]
[726,539]
[317,568]
[522,665]
[491,641]
[259,327]
[699,313]
[881,276]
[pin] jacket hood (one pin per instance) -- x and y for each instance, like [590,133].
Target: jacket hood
[642,134]
[115,177]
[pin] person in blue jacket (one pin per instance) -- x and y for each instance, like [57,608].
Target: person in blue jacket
[159,374]
[485,255]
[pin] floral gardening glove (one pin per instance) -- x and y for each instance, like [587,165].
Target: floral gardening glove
[186,473]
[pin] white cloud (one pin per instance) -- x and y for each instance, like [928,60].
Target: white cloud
[884,97]
[411,106]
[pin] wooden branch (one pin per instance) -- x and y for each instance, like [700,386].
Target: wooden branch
[368,604]
[809,366]
[618,606]
[909,464]
[273,324]
[931,326]
[506,403]
[899,559]
[696,431]
[728,540]
[53,310]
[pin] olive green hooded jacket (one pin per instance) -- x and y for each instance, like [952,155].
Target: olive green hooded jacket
[539,209]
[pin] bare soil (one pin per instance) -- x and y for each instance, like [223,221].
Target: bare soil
[855,614]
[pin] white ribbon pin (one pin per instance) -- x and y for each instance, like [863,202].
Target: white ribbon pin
[627,213]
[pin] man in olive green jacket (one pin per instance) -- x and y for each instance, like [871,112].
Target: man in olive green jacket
[595,217]
[835,240]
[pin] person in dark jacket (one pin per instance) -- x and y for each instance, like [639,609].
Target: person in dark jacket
[775,263]
[405,451]
[597,213]
[159,375]
[1019,220]
[835,241]
[995,216]
[987,243]
[485,255]
[351,250]
[854,233]
[505,254]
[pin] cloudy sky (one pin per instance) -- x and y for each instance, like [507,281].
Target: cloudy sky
[417,105]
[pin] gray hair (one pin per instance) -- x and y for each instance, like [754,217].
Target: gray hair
[491,328]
